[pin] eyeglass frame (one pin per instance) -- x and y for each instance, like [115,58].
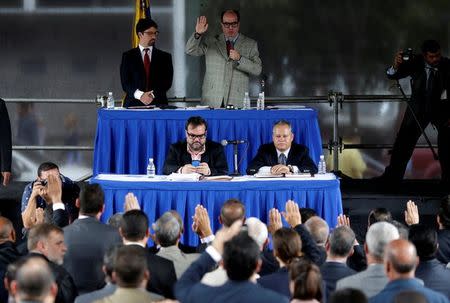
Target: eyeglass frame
[156,34]
[193,137]
[230,24]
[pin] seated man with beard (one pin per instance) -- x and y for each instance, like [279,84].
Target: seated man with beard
[196,154]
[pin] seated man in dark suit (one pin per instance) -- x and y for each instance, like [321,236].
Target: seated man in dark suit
[241,260]
[433,273]
[282,156]
[196,154]
[146,72]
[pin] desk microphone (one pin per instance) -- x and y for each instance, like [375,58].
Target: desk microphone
[226,142]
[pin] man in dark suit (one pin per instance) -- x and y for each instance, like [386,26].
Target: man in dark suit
[47,241]
[134,231]
[433,273]
[87,240]
[196,154]
[400,261]
[430,74]
[240,255]
[146,72]
[443,219]
[339,248]
[282,156]
[5,144]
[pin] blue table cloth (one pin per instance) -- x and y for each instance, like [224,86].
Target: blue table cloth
[126,139]
[259,197]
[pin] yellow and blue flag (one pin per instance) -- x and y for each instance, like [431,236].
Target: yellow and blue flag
[142,11]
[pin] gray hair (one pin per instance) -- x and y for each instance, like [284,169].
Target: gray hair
[378,235]
[167,229]
[257,230]
[34,279]
[341,241]
[319,229]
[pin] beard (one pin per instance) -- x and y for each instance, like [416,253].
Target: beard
[196,146]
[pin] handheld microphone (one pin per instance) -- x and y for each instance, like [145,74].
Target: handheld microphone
[226,142]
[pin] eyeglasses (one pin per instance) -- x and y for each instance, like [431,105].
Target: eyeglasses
[230,24]
[152,33]
[193,137]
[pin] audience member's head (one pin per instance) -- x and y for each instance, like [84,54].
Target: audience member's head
[377,237]
[348,295]
[48,240]
[34,281]
[318,228]
[307,213]
[444,214]
[180,220]
[10,275]
[115,220]
[403,230]
[130,266]
[425,240]
[92,200]
[410,296]
[134,226]
[7,232]
[241,257]
[287,245]
[340,243]
[108,262]
[378,215]
[400,259]
[232,210]
[47,168]
[258,231]
[305,281]
[167,230]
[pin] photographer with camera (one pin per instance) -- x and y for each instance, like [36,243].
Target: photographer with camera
[430,79]
[51,198]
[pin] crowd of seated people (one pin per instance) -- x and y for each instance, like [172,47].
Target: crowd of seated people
[295,257]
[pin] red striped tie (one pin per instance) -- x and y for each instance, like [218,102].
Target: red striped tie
[147,69]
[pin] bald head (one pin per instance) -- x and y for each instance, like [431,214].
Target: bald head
[6,230]
[232,210]
[318,228]
[400,259]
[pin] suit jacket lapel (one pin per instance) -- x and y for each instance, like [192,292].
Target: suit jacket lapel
[139,62]
[221,45]
[273,154]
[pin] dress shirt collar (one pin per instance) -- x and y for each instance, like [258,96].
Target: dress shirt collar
[150,50]
[133,243]
[286,153]
[232,39]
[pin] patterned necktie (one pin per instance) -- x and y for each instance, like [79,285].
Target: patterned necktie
[229,47]
[147,69]
[282,159]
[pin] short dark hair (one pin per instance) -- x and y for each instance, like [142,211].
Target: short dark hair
[231,211]
[92,199]
[196,121]
[444,212]
[430,46]
[45,167]
[134,225]
[130,264]
[424,239]
[378,215]
[41,232]
[307,280]
[307,213]
[240,257]
[287,244]
[348,295]
[341,241]
[144,24]
[235,11]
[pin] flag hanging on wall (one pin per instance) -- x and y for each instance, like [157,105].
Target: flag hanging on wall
[142,11]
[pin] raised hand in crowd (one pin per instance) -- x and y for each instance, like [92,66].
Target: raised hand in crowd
[39,217]
[225,234]
[131,202]
[52,193]
[201,224]
[202,25]
[274,221]
[343,220]
[292,214]
[411,213]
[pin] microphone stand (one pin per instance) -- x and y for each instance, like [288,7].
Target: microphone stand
[405,98]
[235,156]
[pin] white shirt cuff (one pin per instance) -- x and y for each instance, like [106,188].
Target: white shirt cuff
[265,170]
[391,71]
[138,94]
[295,169]
[58,205]
[213,253]
[207,239]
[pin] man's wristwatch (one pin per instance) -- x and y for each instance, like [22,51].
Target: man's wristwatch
[291,168]
[197,35]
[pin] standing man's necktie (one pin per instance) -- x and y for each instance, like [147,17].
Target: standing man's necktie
[229,47]
[282,159]
[147,69]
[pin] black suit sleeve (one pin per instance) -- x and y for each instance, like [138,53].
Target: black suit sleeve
[172,164]
[5,139]
[59,217]
[126,75]
[261,159]
[304,161]
[164,77]
[192,276]
[218,163]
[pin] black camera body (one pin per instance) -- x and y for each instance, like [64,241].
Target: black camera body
[407,54]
